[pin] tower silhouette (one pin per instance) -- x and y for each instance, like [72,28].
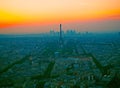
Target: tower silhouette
[61,37]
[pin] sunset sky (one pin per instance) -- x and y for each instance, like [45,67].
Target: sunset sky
[34,16]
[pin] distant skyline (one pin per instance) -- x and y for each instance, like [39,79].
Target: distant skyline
[36,16]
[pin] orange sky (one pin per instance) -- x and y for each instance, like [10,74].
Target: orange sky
[16,14]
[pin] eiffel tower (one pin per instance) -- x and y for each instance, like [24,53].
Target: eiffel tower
[61,38]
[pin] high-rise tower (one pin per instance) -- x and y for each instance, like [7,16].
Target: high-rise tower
[60,31]
[61,38]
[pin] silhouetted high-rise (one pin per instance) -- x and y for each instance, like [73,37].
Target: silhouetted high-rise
[60,31]
[61,38]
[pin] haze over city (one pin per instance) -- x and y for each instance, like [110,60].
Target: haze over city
[36,16]
[59,43]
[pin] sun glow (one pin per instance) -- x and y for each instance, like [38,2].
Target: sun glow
[35,12]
